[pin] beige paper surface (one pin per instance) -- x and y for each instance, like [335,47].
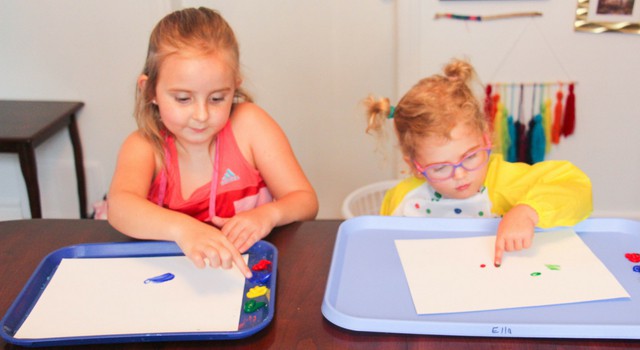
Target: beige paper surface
[457,274]
[87,297]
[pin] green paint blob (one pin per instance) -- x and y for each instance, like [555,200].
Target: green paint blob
[535,274]
[553,267]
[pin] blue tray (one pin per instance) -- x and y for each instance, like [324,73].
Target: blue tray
[249,323]
[367,289]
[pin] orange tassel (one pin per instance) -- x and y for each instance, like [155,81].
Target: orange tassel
[569,122]
[556,130]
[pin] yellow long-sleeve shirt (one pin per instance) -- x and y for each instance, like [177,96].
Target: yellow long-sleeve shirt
[557,190]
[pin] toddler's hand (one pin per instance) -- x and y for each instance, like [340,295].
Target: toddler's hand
[244,229]
[211,245]
[515,231]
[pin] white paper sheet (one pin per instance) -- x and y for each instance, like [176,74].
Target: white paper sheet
[88,297]
[457,274]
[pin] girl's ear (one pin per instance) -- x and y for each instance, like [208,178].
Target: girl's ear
[142,84]
[142,81]
[411,166]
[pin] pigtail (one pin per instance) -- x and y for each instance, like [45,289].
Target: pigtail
[377,111]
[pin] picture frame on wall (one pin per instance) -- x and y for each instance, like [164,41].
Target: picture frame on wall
[600,16]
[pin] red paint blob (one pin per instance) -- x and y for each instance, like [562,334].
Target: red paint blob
[633,257]
[483,266]
[261,265]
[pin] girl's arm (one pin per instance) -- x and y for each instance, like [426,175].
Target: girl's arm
[265,145]
[546,194]
[132,214]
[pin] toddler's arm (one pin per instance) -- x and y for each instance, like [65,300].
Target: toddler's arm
[515,231]
[132,214]
[554,193]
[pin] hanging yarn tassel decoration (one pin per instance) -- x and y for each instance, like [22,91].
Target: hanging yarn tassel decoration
[521,131]
[498,130]
[537,143]
[488,105]
[537,139]
[556,129]
[512,154]
[546,121]
[569,122]
[523,143]
[504,134]
[512,149]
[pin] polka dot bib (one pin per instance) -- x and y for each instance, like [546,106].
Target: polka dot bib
[424,201]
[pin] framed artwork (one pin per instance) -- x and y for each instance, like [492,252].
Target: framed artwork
[599,16]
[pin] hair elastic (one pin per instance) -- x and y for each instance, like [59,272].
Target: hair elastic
[392,111]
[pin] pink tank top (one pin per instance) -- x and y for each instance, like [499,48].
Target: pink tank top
[236,185]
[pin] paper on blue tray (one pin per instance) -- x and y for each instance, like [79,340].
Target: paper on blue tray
[248,323]
[367,289]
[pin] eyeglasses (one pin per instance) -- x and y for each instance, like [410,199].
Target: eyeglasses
[444,171]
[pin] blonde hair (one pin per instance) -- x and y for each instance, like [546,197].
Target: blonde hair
[432,107]
[201,30]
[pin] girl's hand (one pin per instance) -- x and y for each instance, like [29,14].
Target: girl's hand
[515,231]
[246,228]
[212,246]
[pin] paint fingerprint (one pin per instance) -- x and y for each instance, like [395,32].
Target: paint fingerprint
[160,279]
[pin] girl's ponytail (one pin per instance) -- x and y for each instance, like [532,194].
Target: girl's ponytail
[377,111]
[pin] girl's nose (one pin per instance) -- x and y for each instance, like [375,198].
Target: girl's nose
[459,172]
[201,113]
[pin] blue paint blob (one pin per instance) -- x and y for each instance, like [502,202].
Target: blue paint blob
[260,277]
[636,268]
[457,210]
[160,279]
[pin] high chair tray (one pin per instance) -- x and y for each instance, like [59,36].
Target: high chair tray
[249,322]
[367,289]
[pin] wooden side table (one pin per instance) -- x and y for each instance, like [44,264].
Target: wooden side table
[26,124]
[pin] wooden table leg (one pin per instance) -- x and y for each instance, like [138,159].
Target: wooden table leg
[29,168]
[77,154]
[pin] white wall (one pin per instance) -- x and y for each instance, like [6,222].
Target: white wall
[307,63]
[606,67]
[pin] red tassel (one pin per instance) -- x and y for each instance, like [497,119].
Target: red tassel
[556,129]
[488,106]
[569,122]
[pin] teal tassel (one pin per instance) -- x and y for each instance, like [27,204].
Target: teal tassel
[512,154]
[538,142]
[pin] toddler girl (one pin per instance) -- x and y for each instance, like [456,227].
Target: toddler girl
[445,140]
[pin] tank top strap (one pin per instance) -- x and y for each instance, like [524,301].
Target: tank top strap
[169,147]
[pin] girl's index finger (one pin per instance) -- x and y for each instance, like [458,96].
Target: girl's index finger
[497,261]
[242,266]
